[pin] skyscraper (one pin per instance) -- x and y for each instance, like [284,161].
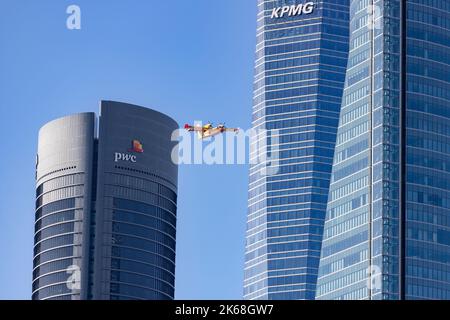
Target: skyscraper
[301,56]
[106,206]
[387,231]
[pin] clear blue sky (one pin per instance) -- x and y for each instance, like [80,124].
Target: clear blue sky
[190,59]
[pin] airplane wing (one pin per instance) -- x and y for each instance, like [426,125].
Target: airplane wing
[193,128]
[231,129]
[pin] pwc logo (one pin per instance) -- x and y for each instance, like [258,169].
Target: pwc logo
[136,147]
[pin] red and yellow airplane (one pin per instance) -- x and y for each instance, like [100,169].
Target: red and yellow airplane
[208,130]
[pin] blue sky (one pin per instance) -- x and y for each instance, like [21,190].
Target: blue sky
[190,59]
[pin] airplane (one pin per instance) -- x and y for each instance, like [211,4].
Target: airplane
[208,130]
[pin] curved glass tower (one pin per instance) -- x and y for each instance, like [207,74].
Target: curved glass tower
[387,231]
[301,57]
[106,206]
[63,205]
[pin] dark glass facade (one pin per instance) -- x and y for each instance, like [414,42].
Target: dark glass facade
[387,232]
[301,58]
[106,206]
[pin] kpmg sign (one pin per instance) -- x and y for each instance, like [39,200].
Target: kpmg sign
[292,11]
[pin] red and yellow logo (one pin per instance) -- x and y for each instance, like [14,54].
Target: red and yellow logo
[136,146]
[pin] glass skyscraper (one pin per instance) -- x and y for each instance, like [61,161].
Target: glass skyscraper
[387,229]
[301,58]
[106,206]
